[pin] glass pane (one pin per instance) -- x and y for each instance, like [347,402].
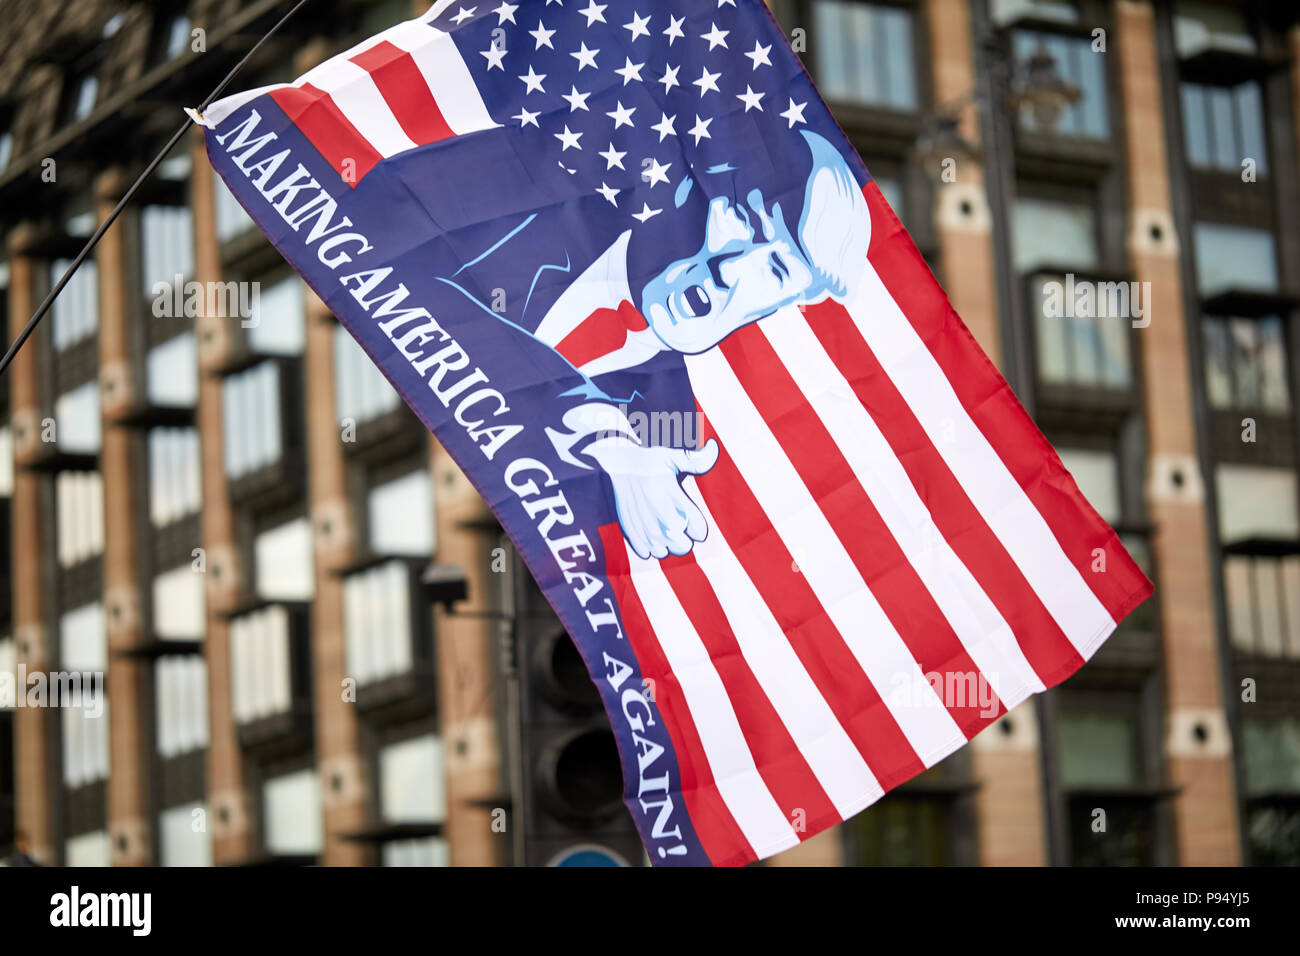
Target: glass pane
[74,316]
[1223,133]
[251,419]
[231,218]
[1245,367]
[1004,11]
[1250,122]
[1051,334]
[79,516]
[377,622]
[178,603]
[1291,604]
[1097,475]
[83,642]
[1272,755]
[1274,394]
[88,849]
[401,515]
[412,788]
[1098,749]
[181,704]
[1199,25]
[292,814]
[174,474]
[185,837]
[283,557]
[172,372]
[1218,363]
[276,322]
[76,419]
[361,391]
[1256,502]
[863,53]
[903,829]
[1051,232]
[167,247]
[1239,591]
[1196,131]
[429,851]
[1230,257]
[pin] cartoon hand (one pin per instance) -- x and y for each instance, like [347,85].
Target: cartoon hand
[657,515]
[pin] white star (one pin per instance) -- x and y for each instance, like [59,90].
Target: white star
[646,213]
[463,15]
[542,35]
[674,31]
[701,129]
[622,115]
[665,127]
[585,57]
[795,113]
[577,101]
[669,79]
[724,3]
[656,173]
[707,81]
[612,158]
[609,192]
[638,26]
[759,55]
[716,37]
[751,99]
[595,12]
[506,12]
[526,118]
[549,2]
[569,139]
[534,82]
[495,54]
[630,71]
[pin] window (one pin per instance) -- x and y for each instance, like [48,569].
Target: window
[1085,346]
[251,419]
[1223,126]
[178,36]
[401,515]
[1245,364]
[1256,502]
[6,148]
[74,316]
[181,704]
[79,516]
[231,219]
[89,849]
[1200,26]
[85,736]
[1006,11]
[362,393]
[172,373]
[1097,475]
[83,643]
[1233,257]
[184,836]
[276,320]
[412,789]
[283,559]
[1079,65]
[903,829]
[76,420]
[86,95]
[863,54]
[377,622]
[175,483]
[292,821]
[260,683]
[1271,757]
[178,605]
[167,246]
[1263,598]
[1054,232]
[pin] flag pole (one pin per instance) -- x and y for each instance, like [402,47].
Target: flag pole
[130,194]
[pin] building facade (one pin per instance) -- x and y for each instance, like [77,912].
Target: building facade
[293,625]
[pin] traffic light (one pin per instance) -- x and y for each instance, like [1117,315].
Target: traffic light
[573,812]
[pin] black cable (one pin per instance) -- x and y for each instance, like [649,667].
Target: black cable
[130,194]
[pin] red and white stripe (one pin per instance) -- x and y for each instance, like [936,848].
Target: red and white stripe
[882,510]
[401,89]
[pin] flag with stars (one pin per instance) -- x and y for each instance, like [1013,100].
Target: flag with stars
[619,258]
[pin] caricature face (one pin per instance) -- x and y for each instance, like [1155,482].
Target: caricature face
[748,267]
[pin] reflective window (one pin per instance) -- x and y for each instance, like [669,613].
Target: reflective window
[89,849]
[260,685]
[1233,257]
[178,604]
[1272,755]
[283,558]
[1080,66]
[172,373]
[1097,475]
[175,480]
[85,736]
[864,54]
[377,622]
[401,515]
[83,642]
[74,316]
[1245,364]
[1256,502]
[181,704]
[251,419]
[76,420]
[79,516]
[185,836]
[1052,232]
[1077,345]
[1004,11]
[231,219]
[1098,749]
[1200,26]
[412,789]
[1263,599]
[361,391]
[167,246]
[292,822]
[1223,126]
[276,320]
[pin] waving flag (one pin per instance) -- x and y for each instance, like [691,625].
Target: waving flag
[621,261]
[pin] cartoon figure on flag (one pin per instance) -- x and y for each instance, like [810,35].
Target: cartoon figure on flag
[754,257]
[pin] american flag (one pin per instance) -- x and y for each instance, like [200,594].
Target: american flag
[541,218]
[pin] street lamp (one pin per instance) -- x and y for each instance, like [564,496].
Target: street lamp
[1045,92]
